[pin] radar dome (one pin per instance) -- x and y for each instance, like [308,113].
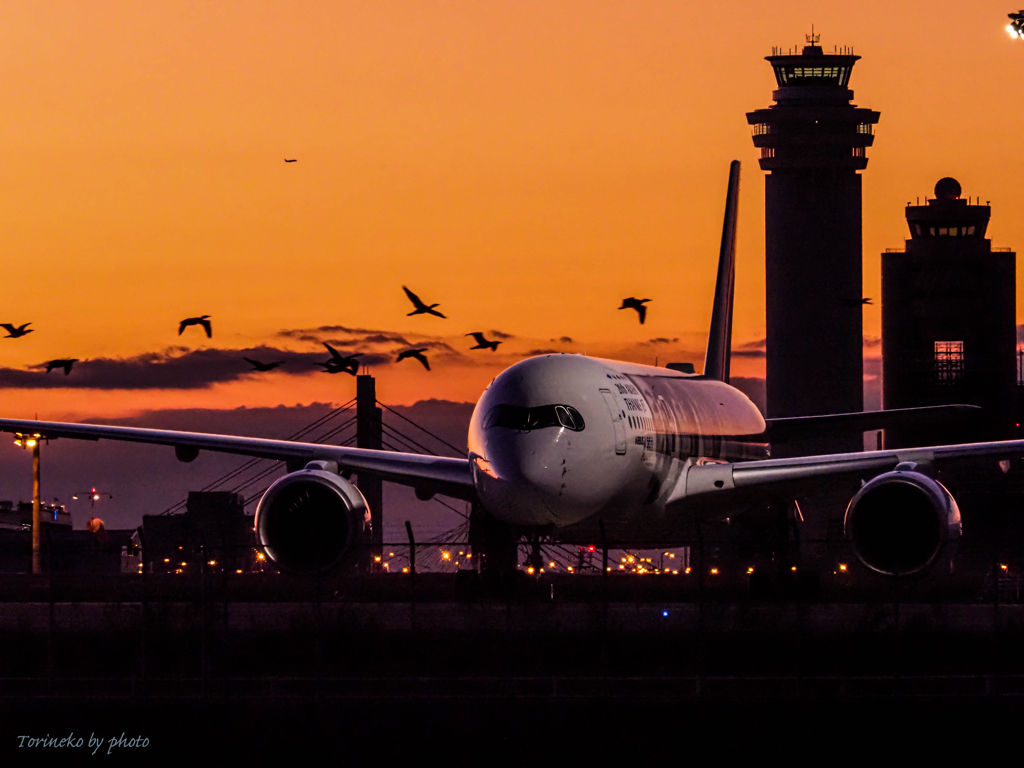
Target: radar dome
[947,189]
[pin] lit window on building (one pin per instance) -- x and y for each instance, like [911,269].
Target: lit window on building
[949,362]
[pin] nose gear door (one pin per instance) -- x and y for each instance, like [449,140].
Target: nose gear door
[615,411]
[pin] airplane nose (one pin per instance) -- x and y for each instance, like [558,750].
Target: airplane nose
[539,478]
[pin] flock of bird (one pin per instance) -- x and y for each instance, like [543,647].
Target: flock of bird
[337,363]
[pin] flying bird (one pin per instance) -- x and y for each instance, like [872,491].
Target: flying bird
[291,161]
[421,308]
[638,305]
[416,353]
[15,333]
[340,363]
[482,343]
[65,364]
[204,321]
[258,366]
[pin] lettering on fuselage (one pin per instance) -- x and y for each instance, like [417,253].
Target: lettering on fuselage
[680,421]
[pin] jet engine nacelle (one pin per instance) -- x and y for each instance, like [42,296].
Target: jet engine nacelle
[900,522]
[312,520]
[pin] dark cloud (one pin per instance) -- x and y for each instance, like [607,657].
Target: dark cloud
[753,353]
[663,340]
[564,339]
[500,335]
[173,368]
[298,333]
[534,352]
[876,341]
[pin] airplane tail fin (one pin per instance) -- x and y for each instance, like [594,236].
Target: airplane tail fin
[716,361]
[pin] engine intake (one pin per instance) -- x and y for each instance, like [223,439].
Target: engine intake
[312,520]
[900,522]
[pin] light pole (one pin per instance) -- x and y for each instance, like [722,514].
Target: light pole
[32,441]
[93,495]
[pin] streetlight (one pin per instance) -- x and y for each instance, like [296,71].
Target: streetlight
[93,495]
[26,441]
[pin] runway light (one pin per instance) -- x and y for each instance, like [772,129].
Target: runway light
[167,559]
[793,568]
[749,571]
[687,570]
[551,564]
[842,567]
[259,556]
[446,555]
[30,443]
[1004,567]
[376,558]
[405,570]
[391,554]
[664,614]
[714,571]
[530,570]
[238,571]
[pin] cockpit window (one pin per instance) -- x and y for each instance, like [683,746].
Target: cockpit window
[528,419]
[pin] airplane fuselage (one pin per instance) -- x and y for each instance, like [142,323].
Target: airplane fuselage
[557,439]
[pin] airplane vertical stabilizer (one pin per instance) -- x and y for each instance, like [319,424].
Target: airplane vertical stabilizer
[716,361]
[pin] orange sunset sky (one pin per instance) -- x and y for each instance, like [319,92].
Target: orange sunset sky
[524,164]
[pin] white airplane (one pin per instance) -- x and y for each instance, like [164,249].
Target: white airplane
[569,444]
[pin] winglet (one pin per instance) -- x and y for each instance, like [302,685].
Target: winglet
[716,361]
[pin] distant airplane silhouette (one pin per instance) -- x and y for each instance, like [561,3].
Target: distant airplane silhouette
[291,161]
[65,364]
[638,305]
[482,343]
[857,302]
[204,321]
[258,366]
[416,353]
[16,333]
[340,363]
[421,308]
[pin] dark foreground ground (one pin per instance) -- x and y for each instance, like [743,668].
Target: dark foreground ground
[267,671]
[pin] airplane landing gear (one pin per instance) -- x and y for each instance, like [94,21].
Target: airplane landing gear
[495,546]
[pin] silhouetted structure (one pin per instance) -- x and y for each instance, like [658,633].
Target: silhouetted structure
[813,143]
[949,321]
[213,528]
[369,435]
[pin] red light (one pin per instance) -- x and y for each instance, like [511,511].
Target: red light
[591,548]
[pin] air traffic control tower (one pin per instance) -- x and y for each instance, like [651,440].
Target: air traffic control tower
[813,144]
[949,322]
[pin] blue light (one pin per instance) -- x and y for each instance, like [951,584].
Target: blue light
[664,614]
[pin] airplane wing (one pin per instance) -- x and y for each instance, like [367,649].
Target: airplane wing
[719,489]
[432,474]
[797,427]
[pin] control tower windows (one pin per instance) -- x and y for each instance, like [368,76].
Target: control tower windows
[791,75]
[949,362]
